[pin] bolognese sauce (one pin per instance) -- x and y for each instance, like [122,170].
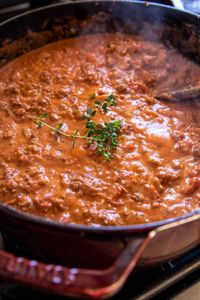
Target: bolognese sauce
[151,173]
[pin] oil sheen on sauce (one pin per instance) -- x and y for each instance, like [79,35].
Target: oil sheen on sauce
[154,173]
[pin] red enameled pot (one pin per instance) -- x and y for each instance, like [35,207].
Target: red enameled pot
[81,260]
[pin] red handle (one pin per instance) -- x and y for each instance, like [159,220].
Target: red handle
[85,282]
[73,281]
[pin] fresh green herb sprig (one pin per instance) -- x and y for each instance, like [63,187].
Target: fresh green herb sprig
[103,136]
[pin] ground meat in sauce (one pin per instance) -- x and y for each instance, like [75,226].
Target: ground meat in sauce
[154,173]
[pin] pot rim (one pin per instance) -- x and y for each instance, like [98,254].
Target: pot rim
[145,4]
[37,220]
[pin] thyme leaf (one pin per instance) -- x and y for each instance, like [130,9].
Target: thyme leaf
[92,96]
[89,114]
[38,120]
[58,128]
[109,101]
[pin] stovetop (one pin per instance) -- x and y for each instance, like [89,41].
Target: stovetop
[178,279]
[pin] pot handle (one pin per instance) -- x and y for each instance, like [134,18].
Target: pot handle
[73,281]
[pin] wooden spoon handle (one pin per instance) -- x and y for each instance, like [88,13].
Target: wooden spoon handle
[181,94]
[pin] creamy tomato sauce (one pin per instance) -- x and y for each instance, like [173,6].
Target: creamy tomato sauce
[154,172]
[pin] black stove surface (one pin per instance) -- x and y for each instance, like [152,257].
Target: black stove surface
[178,279]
